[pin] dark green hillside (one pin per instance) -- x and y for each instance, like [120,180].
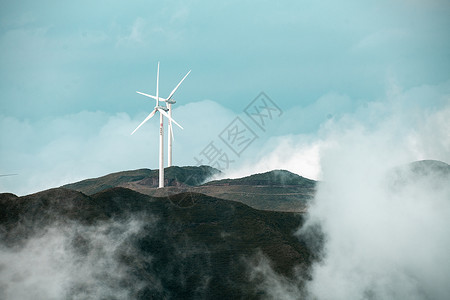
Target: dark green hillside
[186,246]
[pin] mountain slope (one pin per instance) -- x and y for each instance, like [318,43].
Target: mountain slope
[174,176]
[186,246]
[277,190]
[271,178]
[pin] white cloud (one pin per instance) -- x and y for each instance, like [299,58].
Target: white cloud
[54,151]
[72,261]
[382,38]
[136,34]
[295,153]
[180,15]
[384,240]
[271,285]
[385,233]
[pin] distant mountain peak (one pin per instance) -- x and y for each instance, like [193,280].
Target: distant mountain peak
[270,178]
[423,168]
[426,166]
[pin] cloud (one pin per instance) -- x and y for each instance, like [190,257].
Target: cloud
[414,120]
[432,138]
[385,232]
[384,239]
[269,284]
[136,34]
[296,153]
[181,15]
[72,261]
[380,39]
[55,151]
[385,236]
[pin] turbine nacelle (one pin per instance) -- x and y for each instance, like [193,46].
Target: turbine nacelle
[168,101]
[162,109]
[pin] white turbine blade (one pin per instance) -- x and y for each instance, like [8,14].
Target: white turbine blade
[168,117]
[151,96]
[147,95]
[157,86]
[146,119]
[174,90]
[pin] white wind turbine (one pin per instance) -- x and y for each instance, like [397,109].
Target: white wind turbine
[169,101]
[162,112]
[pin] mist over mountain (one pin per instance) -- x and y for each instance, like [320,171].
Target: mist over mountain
[118,243]
[438,170]
[385,230]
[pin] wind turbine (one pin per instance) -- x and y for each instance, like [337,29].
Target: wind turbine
[162,112]
[169,101]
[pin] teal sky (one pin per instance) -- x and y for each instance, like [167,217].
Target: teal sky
[63,57]
[68,69]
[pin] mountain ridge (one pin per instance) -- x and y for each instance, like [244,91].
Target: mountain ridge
[277,190]
[174,176]
[273,177]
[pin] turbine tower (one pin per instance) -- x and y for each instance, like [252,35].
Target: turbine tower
[169,101]
[162,112]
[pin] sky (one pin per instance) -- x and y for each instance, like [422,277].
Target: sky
[69,72]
